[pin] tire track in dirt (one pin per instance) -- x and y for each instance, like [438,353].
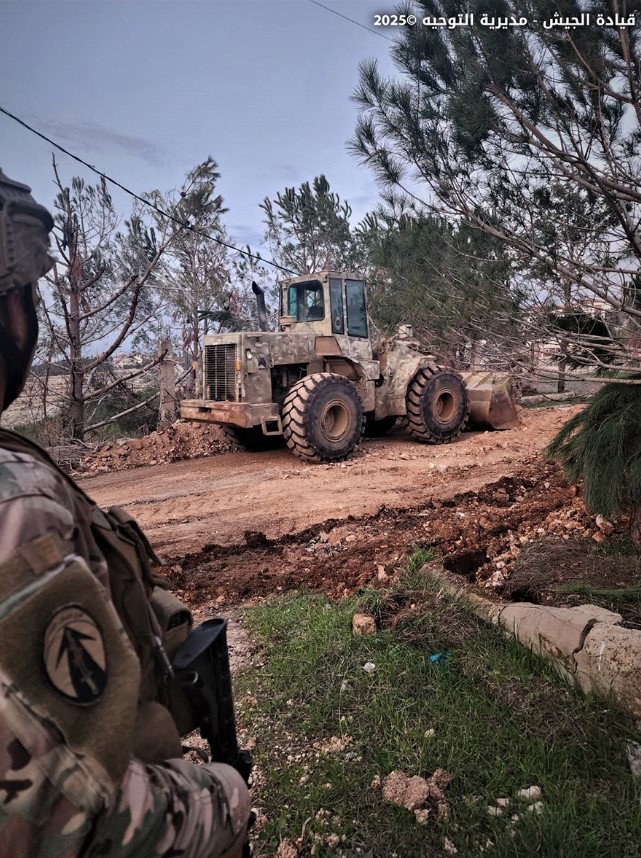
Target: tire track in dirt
[185,505]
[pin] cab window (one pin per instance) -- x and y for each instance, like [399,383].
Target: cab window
[356,308]
[305,301]
[336,304]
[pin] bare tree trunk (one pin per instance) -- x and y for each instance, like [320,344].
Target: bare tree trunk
[76,404]
[167,381]
[560,384]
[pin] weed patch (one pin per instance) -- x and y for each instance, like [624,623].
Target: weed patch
[487,711]
[565,573]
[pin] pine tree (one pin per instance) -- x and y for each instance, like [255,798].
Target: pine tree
[601,447]
[308,228]
[509,127]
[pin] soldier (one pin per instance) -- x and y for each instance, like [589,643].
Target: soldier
[90,762]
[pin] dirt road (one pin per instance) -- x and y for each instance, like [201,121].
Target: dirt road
[184,506]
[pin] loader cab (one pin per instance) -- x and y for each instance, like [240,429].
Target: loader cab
[329,304]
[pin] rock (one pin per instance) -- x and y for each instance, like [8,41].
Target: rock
[369,667]
[323,537]
[604,525]
[286,849]
[533,793]
[351,537]
[448,847]
[422,815]
[333,841]
[363,624]
[442,811]
[609,662]
[633,753]
[537,807]
[335,745]
[502,802]
[495,581]
[400,789]
[495,811]
[558,631]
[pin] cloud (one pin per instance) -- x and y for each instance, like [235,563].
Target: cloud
[98,138]
[279,173]
[244,235]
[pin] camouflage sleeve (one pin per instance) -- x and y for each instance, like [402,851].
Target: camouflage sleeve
[35,499]
[176,808]
[56,801]
[54,804]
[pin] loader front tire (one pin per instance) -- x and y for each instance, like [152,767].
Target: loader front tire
[323,418]
[438,405]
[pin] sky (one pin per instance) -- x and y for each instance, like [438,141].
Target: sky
[146,89]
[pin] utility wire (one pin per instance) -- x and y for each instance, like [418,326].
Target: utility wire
[352,21]
[136,196]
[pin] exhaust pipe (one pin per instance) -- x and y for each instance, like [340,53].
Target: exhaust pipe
[260,302]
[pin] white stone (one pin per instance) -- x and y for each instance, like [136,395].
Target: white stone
[533,793]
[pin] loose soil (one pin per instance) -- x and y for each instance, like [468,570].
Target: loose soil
[238,526]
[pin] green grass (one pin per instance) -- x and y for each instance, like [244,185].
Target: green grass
[623,600]
[502,720]
[624,594]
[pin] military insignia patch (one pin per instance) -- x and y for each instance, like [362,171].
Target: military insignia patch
[74,656]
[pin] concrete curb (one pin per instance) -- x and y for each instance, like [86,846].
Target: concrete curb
[586,644]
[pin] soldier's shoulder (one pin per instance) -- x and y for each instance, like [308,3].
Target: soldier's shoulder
[22,475]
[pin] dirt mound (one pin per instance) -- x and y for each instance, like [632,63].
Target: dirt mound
[490,538]
[480,534]
[179,441]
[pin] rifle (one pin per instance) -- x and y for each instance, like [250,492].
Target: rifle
[201,667]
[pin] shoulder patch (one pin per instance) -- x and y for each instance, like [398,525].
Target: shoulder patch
[74,655]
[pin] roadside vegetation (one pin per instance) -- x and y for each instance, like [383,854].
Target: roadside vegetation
[447,692]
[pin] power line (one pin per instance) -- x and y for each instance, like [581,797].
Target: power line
[352,21]
[136,196]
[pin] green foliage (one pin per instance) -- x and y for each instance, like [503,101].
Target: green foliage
[601,446]
[451,282]
[623,595]
[45,432]
[196,279]
[308,228]
[418,558]
[526,133]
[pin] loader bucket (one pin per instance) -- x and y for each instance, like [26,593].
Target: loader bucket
[492,400]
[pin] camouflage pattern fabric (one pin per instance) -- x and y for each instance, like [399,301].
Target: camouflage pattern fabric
[56,803]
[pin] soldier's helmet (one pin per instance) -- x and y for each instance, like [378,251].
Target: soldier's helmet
[24,236]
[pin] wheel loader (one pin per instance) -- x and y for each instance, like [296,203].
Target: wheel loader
[319,382]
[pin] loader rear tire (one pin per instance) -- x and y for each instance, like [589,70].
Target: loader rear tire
[253,440]
[438,405]
[323,419]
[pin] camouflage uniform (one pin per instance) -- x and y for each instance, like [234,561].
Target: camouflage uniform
[69,682]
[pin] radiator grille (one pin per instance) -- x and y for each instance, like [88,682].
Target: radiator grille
[220,372]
